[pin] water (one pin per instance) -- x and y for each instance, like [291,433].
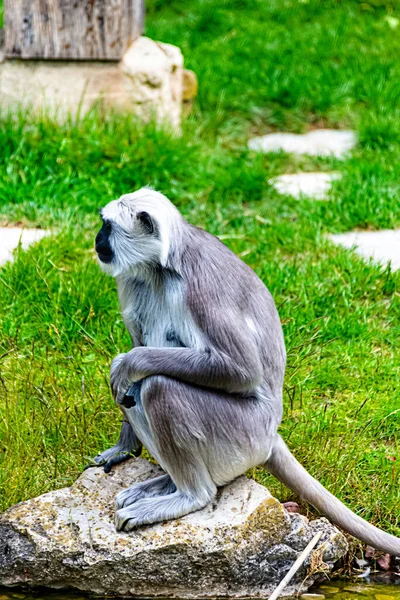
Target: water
[356,590]
[331,590]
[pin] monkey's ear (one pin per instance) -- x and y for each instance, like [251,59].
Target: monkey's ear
[146,221]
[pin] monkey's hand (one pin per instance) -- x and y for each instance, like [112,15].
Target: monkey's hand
[121,377]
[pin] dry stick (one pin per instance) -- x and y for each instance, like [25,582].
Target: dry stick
[295,567]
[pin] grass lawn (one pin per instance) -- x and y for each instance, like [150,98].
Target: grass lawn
[262,66]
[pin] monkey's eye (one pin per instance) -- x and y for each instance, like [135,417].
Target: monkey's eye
[146,221]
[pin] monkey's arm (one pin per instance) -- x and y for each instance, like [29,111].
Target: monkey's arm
[236,368]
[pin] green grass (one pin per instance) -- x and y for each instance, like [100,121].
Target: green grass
[262,66]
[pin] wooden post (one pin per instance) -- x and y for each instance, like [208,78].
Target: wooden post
[71,29]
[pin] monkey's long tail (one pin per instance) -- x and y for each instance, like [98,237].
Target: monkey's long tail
[289,471]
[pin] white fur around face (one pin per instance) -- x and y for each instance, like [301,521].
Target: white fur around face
[130,244]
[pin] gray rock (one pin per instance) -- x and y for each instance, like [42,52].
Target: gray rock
[240,546]
[147,82]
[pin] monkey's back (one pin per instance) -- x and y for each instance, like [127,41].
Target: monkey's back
[223,290]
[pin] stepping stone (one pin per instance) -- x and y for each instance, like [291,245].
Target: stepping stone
[321,142]
[382,246]
[311,185]
[10,238]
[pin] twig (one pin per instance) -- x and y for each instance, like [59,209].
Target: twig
[295,567]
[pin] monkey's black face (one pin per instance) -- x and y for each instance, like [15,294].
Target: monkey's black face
[102,245]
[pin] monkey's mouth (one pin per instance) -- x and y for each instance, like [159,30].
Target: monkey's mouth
[105,254]
[105,257]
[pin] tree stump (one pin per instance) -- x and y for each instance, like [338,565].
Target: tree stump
[71,29]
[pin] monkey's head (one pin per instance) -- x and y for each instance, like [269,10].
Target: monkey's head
[137,230]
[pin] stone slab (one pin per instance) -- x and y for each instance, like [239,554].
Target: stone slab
[382,246]
[10,237]
[239,547]
[321,142]
[310,185]
[147,82]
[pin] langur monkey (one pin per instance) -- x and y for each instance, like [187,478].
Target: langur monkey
[205,373]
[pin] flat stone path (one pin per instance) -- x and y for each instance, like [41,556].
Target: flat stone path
[321,142]
[382,246]
[11,236]
[310,185]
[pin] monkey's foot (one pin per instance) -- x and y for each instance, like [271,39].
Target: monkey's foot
[159,486]
[113,456]
[154,510]
[127,446]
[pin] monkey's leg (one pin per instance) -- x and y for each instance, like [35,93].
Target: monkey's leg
[159,486]
[176,435]
[127,446]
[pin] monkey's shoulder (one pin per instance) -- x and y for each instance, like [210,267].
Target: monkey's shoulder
[214,271]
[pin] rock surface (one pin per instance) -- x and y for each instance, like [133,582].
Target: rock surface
[147,81]
[190,85]
[321,142]
[381,246]
[155,72]
[239,547]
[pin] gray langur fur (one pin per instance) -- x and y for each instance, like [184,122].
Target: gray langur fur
[207,364]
